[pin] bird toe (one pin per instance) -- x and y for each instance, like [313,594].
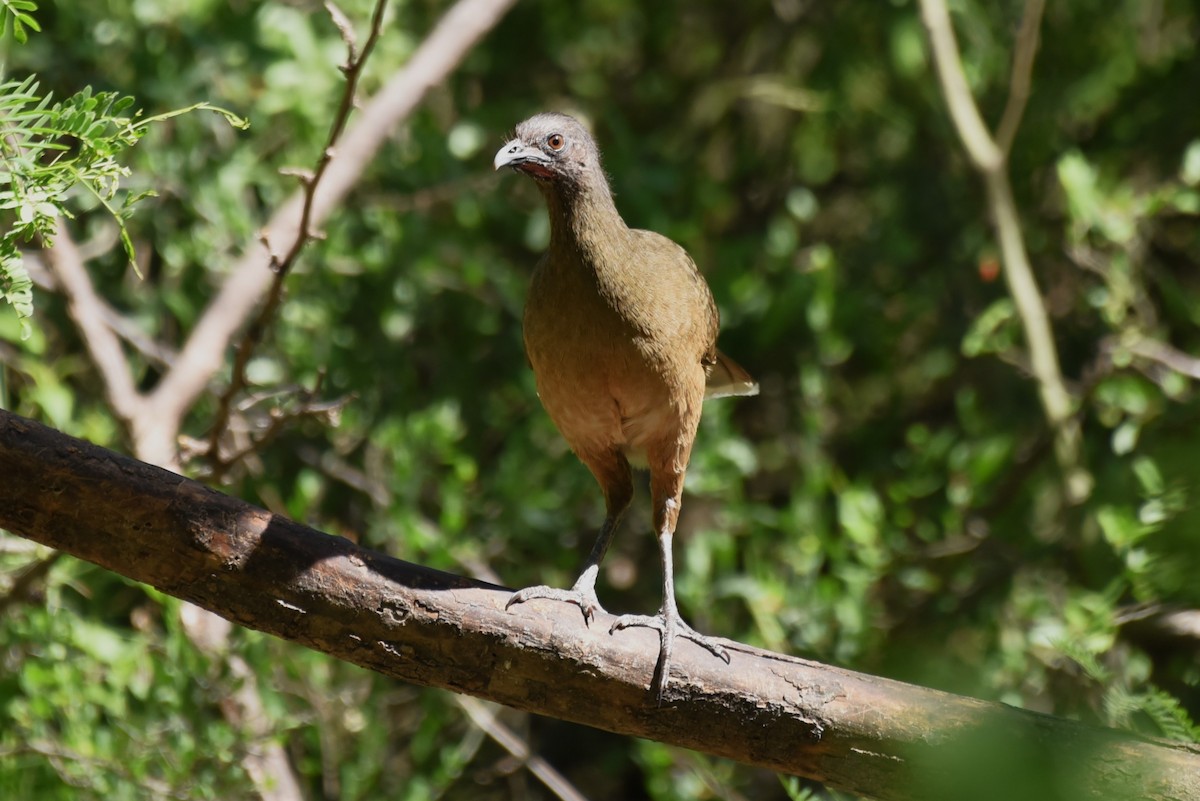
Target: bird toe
[587,602]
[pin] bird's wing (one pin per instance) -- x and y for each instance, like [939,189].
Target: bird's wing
[664,262]
[668,263]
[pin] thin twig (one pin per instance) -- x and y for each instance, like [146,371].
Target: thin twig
[423,200]
[1168,356]
[353,69]
[992,163]
[281,419]
[204,352]
[1022,74]
[77,769]
[150,349]
[507,739]
[29,576]
[342,471]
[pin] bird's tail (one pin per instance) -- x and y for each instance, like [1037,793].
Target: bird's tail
[726,377]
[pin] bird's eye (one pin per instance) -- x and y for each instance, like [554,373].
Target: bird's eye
[555,141]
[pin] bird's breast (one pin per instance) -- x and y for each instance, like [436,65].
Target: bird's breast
[604,381]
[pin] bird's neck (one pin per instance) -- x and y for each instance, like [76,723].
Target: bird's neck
[584,221]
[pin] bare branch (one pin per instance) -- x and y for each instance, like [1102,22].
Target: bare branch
[422,200]
[156,352]
[150,349]
[204,353]
[1167,355]
[346,29]
[338,469]
[1022,74]
[303,233]
[864,734]
[27,579]
[86,309]
[280,418]
[948,62]
[67,763]
[507,739]
[1181,623]
[992,163]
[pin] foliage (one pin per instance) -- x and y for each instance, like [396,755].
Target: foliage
[18,13]
[889,503]
[48,150]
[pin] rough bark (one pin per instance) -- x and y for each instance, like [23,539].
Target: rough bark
[860,733]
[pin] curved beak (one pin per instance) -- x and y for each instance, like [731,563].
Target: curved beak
[517,154]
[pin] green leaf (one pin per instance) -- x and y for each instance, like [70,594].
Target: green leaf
[994,331]
[16,285]
[1149,476]
[1189,172]
[1120,526]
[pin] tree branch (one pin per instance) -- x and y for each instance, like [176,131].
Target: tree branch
[507,739]
[282,266]
[855,732]
[204,353]
[1022,75]
[30,576]
[122,326]
[970,126]
[1162,353]
[87,310]
[991,161]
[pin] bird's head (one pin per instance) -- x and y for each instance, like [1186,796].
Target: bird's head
[553,149]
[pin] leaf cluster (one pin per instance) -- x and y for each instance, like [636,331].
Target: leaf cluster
[18,14]
[52,150]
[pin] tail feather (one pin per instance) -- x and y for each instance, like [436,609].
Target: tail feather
[726,377]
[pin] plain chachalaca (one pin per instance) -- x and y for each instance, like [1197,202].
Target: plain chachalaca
[621,331]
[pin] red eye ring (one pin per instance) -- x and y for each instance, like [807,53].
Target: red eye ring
[555,141]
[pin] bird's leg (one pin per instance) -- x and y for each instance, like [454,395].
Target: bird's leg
[667,622]
[583,591]
[616,479]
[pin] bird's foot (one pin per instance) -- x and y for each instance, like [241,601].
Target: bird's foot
[669,626]
[583,597]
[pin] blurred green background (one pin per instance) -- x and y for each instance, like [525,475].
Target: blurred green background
[890,502]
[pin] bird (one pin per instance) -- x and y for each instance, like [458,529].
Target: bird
[620,329]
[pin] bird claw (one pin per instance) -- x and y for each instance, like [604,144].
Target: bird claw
[587,602]
[668,628]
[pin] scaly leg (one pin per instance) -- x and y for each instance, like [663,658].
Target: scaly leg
[616,479]
[667,622]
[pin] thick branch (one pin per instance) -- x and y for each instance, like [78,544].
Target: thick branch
[860,733]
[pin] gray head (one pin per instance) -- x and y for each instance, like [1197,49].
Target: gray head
[555,150]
